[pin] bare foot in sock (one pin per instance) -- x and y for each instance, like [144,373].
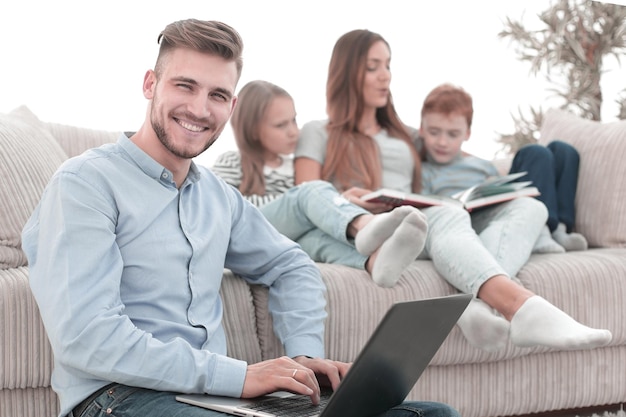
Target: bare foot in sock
[538,322]
[569,241]
[379,229]
[483,327]
[545,243]
[399,250]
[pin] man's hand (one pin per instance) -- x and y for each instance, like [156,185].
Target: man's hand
[328,373]
[297,375]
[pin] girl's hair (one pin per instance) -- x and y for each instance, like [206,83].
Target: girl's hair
[210,36]
[447,99]
[353,158]
[253,100]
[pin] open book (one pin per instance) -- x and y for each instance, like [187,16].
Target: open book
[492,191]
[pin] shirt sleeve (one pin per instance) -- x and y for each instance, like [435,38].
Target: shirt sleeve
[76,268]
[296,290]
[312,142]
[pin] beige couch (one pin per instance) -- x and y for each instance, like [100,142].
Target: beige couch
[589,285]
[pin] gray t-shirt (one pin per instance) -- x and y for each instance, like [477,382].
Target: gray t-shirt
[397,160]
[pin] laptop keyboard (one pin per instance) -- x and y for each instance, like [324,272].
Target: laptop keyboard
[296,406]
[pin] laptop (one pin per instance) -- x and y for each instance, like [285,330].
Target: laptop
[382,375]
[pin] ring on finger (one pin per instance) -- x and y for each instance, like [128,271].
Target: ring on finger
[295,371]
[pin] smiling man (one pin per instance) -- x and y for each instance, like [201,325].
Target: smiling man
[129,242]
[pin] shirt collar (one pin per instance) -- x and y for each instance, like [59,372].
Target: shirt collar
[432,161]
[151,167]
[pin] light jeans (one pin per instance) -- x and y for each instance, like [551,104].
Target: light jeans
[468,250]
[124,401]
[316,216]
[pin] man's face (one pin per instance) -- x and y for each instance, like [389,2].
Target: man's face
[443,135]
[192,100]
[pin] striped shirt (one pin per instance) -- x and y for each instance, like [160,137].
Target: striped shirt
[277,180]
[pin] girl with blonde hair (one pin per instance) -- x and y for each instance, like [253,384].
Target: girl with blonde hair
[313,214]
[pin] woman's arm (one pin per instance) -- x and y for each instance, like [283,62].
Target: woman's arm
[306,169]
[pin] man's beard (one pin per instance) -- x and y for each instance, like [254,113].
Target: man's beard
[164,138]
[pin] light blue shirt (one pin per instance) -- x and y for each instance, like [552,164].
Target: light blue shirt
[126,270]
[458,175]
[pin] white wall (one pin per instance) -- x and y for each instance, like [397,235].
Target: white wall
[82,63]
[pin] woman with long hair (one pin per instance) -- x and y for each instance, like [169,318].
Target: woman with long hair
[363,145]
[313,214]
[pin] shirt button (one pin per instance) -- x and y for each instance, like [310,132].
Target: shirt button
[164,175]
[109,410]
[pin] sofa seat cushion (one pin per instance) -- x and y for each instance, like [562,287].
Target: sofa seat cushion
[239,319]
[587,285]
[601,188]
[24,345]
[29,155]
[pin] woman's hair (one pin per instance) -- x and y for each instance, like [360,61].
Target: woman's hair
[210,36]
[353,158]
[447,99]
[253,100]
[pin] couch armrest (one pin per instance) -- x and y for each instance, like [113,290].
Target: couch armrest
[23,341]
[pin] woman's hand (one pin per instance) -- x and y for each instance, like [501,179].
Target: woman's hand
[354,194]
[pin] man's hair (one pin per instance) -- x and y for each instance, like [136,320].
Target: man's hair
[448,99]
[208,36]
[254,99]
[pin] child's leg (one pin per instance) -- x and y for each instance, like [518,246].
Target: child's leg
[312,205]
[456,250]
[569,241]
[460,257]
[372,231]
[535,321]
[399,250]
[509,230]
[566,162]
[539,164]
[546,243]
[483,327]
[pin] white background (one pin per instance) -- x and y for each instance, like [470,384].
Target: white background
[82,62]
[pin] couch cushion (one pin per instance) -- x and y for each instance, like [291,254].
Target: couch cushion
[602,177]
[73,140]
[27,353]
[29,155]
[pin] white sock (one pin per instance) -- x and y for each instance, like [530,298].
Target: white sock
[545,243]
[537,322]
[379,229]
[483,327]
[402,248]
[569,241]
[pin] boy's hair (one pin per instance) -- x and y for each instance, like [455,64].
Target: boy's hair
[253,100]
[352,158]
[208,36]
[448,99]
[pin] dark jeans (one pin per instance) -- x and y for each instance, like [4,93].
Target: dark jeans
[124,401]
[553,169]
